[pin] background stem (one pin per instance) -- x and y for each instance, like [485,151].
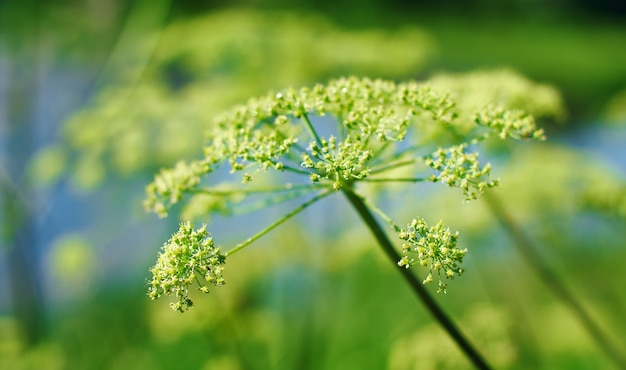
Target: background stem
[545,273]
[468,349]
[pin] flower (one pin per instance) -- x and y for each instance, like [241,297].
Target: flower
[187,255]
[457,168]
[334,135]
[370,123]
[435,248]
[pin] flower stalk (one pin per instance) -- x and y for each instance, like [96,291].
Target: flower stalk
[416,285]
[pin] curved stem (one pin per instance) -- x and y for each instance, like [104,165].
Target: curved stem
[534,260]
[470,352]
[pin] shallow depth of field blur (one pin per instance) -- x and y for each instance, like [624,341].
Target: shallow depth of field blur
[96,96]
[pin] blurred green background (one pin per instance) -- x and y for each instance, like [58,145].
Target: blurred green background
[95,97]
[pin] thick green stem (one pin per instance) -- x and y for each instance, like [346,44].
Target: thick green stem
[545,273]
[418,288]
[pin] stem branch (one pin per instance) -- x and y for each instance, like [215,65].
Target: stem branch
[310,128]
[259,190]
[277,223]
[415,179]
[418,288]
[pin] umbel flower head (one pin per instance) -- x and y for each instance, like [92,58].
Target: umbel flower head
[435,248]
[350,131]
[457,168]
[372,124]
[187,257]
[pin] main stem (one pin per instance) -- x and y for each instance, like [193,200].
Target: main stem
[418,288]
[525,248]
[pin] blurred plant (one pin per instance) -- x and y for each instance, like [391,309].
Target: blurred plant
[615,110]
[609,200]
[550,278]
[156,97]
[502,87]
[579,186]
[427,348]
[45,50]
[17,353]
[586,183]
[369,128]
[72,264]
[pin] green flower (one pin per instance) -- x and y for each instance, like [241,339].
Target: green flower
[457,168]
[350,131]
[509,123]
[372,124]
[186,257]
[169,186]
[435,248]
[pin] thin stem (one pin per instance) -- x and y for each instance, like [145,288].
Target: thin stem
[379,152]
[418,288]
[269,189]
[310,128]
[410,179]
[480,138]
[286,167]
[277,223]
[382,215]
[398,156]
[290,155]
[296,170]
[271,201]
[528,252]
[401,163]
